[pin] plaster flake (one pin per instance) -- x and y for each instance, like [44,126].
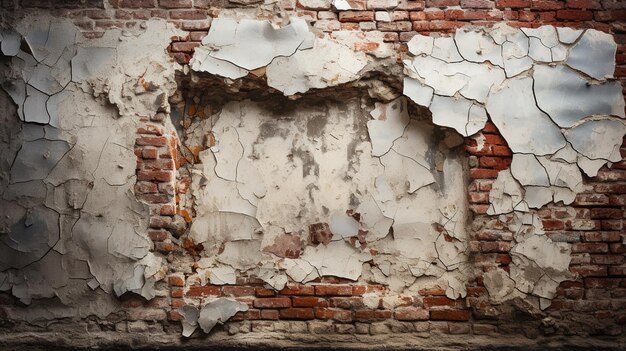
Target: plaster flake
[306,69]
[567,97]
[209,315]
[388,124]
[226,48]
[594,55]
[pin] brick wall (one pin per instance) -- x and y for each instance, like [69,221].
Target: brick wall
[593,224]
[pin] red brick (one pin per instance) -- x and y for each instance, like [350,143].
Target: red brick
[332,313]
[513,4]
[270,314]
[411,314]
[333,290]
[176,280]
[603,283]
[184,46]
[297,313]
[590,247]
[402,26]
[481,173]
[161,176]
[356,16]
[602,236]
[583,4]
[133,4]
[478,198]
[442,301]
[618,248]
[553,224]
[495,246]
[591,200]
[238,291]
[607,259]
[167,210]
[371,315]
[362,289]
[477,4]
[150,153]
[146,188]
[309,302]
[346,302]
[175,4]
[263,292]
[450,315]
[196,291]
[498,163]
[158,235]
[177,292]
[433,291]
[597,213]
[574,15]
[295,289]
[442,3]
[273,302]
[590,270]
[617,270]
[246,315]
[154,198]
[151,140]
[546,5]
[422,26]
[188,14]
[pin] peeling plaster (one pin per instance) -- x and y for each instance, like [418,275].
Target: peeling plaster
[73,233]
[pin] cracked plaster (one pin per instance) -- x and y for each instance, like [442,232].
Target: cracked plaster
[73,234]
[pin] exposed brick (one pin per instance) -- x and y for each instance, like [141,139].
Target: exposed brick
[513,3]
[184,46]
[411,314]
[442,301]
[273,302]
[174,4]
[246,315]
[356,16]
[238,291]
[450,315]
[574,15]
[309,302]
[602,236]
[269,314]
[333,290]
[495,246]
[296,289]
[442,3]
[197,291]
[362,289]
[151,141]
[297,313]
[591,200]
[477,4]
[188,14]
[590,270]
[371,315]
[176,279]
[590,247]
[333,313]
[603,212]
[482,173]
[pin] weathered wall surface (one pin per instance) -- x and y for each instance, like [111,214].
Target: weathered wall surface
[342,172]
